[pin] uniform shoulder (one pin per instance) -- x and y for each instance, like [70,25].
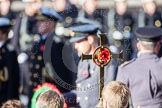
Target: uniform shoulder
[127,62]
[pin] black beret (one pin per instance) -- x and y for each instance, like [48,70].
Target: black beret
[150,34]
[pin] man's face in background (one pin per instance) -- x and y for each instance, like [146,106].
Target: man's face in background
[4,7]
[149,8]
[82,46]
[32,7]
[45,26]
[59,5]
[121,7]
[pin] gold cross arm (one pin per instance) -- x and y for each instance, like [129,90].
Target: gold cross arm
[86,57]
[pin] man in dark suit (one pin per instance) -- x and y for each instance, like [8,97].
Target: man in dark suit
[143,74]
[46,56]
[9,69]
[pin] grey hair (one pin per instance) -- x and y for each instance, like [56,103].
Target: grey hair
[148,45]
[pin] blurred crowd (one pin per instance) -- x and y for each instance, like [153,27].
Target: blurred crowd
[44,43]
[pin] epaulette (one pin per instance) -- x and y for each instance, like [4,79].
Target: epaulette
[127,62]
[10,47]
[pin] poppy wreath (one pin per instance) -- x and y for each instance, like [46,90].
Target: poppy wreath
[102,56]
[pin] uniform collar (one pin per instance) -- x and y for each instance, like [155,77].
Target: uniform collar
[44,37]
[146,54]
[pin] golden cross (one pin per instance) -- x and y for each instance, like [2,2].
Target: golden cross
[101,57]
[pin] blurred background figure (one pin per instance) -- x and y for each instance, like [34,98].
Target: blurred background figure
[150,15]
[13,104]
[47,59]
[68,10]
[88,9]
[59,5]
[89,6]
[32,6]
[121,28]
[28,23]
[5,7]
[9,68]
[5,11]
[24,31]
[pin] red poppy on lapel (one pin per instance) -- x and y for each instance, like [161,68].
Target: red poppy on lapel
[42,47]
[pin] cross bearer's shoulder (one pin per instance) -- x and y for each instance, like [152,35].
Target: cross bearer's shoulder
[127,62]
